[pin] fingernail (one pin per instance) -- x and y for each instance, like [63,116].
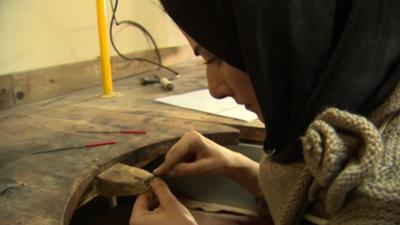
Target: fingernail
[156,170]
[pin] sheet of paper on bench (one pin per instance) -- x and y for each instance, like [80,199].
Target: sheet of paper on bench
[201,100]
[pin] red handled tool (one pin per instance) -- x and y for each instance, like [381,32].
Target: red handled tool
[115,131]
[77,147]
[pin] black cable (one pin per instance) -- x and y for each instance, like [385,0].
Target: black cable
[144,30]
[141,28]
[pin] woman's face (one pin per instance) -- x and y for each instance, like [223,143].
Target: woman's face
[225,80]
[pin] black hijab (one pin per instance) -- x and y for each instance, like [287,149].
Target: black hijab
[302,56]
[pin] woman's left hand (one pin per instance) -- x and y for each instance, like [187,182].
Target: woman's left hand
[169,209]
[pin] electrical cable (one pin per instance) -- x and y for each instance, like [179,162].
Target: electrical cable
[145,32]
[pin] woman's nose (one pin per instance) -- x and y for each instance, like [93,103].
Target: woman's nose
[217,86]
[219,91]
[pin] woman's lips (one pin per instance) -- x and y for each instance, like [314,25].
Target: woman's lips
[248,106]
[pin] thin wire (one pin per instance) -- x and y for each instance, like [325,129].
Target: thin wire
[145,32]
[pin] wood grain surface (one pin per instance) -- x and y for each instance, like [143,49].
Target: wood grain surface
[19,88]
[45,189]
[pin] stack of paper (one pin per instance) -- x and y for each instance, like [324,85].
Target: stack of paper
[201,100]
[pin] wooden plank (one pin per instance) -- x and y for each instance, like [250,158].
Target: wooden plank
[65,176]
[7,96]
[51,132]
[35,85]
[12,216]
[34,202]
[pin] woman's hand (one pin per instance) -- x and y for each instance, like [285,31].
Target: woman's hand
[194,154]
[164,210]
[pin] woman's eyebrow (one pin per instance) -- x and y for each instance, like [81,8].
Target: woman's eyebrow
[196,50]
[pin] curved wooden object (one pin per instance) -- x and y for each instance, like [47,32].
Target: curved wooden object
[45,189]
[123,180]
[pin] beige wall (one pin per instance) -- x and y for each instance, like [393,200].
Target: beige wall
[42,33]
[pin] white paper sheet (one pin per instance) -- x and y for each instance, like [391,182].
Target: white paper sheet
[201,100]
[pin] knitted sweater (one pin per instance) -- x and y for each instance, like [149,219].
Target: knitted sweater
[350,173]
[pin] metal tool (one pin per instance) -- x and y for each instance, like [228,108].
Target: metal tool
[77,147]
[149,80]
[165,83]
[115,131]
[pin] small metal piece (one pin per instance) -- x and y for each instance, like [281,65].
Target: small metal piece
[149,80]
[271,153]
[57,150]
[147,181]
[166,83]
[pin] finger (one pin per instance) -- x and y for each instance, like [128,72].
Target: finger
[140,207]
[176,153]
[162,192]
[189,169]
[142,203]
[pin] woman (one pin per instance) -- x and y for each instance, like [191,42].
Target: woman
[323,76]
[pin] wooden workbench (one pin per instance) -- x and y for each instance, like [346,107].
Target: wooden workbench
[45,189]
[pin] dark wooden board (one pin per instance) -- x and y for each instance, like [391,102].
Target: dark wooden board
[136,99]
[46,188]
[48,181]
[32,86]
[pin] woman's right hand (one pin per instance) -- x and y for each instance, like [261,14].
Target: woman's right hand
[194,154]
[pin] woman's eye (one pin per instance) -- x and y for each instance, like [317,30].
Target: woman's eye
[210,60]
[208,57]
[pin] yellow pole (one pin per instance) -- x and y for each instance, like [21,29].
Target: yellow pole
[104,49]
